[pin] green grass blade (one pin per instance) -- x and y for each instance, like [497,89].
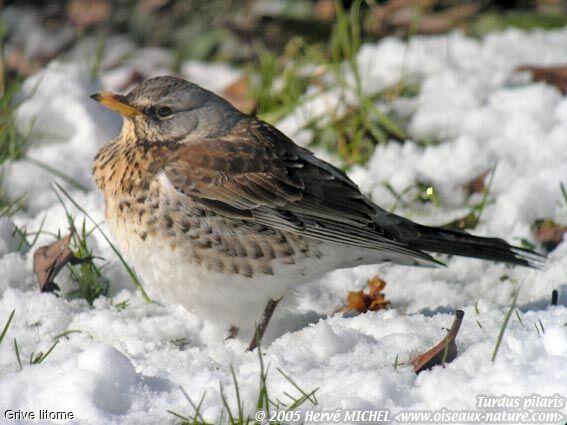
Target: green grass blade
[42,356]
[237,392]
[298,388]
[226,406]
[57,173]
[185,419]
[505,324]
[263,401]
[563,192]
[17,351]
[6,326]
[128,269]
[485,194]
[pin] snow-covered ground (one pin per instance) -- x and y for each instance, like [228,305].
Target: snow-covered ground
[127,366]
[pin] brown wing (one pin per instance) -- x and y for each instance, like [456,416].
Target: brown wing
[256,173]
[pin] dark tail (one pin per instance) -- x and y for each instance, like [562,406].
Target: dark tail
[451,242]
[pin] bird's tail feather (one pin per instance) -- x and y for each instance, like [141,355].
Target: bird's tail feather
[451,242]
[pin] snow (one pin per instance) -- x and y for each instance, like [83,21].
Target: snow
[128,365]
[41,42]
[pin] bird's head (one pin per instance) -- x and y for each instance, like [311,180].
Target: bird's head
[170,109]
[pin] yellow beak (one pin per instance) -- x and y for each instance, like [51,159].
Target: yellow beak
[116,102]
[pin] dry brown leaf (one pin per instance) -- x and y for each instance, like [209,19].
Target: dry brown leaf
[356,301]
[372,301]
[444,352]
[324,9]
[402,14]
[446,20]
[402,17]
[549,233]
[237,94]
[377,299]
[386,10]
[146,7]
[17,61]
[85,13]
[554,75]
[49,260]
[477,185]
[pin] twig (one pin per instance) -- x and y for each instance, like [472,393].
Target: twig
[261,329]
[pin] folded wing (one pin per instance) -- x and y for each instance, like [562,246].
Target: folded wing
[256,173]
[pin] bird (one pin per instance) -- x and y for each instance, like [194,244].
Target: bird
[222,213]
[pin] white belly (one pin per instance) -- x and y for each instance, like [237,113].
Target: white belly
[224,300]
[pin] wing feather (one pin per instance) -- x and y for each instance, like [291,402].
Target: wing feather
[256,173]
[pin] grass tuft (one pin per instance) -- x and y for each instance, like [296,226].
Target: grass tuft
[264,403]
[298,401]
[87,276]
[196,418]
[38,358]
[11,143]
[279,81]
[306,71]
[128,269]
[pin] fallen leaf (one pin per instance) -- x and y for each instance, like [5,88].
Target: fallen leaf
[49,260]
[554,75]
[86,13]
[372,301]
[549,233]
[356,301]
[147,7]
[384,14]
[237,94]
[324,9]
[477,185]
[444,352]
[400,15]
[377,299]
[446,20]
[17,61]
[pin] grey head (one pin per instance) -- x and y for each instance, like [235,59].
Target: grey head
[170,109]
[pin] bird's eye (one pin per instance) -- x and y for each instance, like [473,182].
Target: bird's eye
[163,112]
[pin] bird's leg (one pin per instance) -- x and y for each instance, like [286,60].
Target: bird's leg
[261,328]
